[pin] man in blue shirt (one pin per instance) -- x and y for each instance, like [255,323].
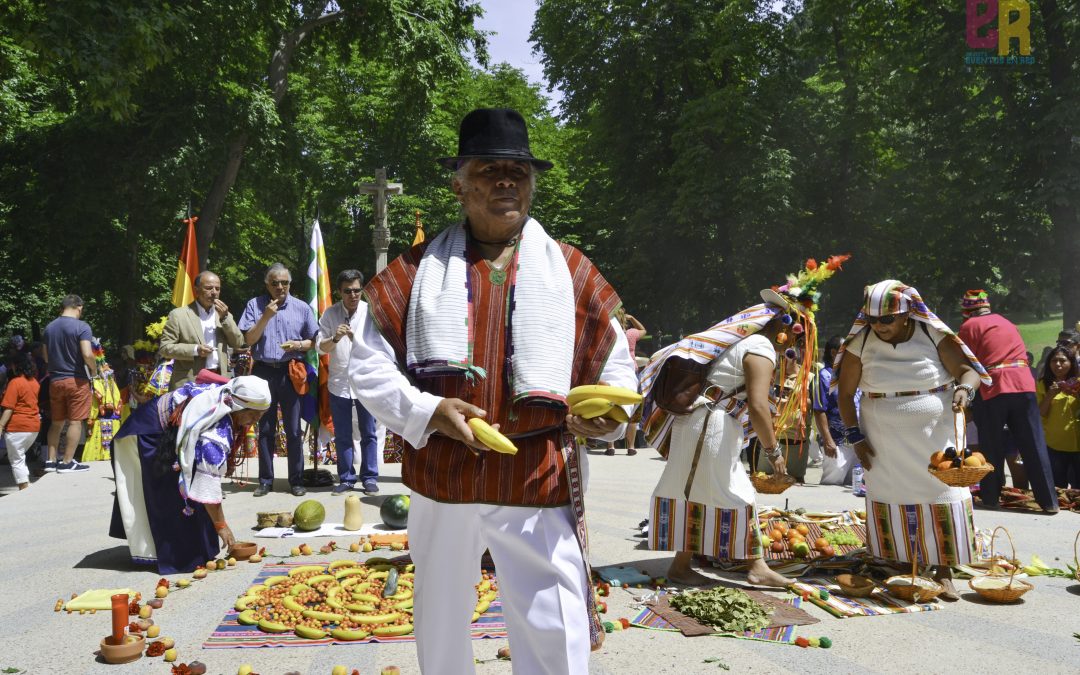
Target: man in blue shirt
[71,364]
[279,329]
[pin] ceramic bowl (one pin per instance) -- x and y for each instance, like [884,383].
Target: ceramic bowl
[131,650]
[242,550]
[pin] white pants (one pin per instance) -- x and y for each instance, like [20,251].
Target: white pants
[18,442]
[541,579]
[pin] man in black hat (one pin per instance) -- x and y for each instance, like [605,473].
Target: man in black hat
[494,319]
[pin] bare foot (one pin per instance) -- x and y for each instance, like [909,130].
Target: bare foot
[761,575]
[688,577]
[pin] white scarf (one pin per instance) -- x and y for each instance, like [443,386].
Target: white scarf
[440,325]
[206,408]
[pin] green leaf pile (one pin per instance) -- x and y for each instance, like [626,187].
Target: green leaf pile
[727,609]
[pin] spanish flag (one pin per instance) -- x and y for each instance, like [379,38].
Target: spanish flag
[419,238]
[183,292]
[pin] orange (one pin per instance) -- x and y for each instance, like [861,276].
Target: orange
[944,466]
[937,458]
[973,461]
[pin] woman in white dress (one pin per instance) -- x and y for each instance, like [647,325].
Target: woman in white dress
[915,376]
[705,503]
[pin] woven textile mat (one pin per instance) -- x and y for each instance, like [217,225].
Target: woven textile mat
[786,614]
[878,604]
[815,532]
[232,635]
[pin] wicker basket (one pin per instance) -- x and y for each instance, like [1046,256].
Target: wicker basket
[847,585]
[990,587]
[914,588]
[773,484]
[273,519]
[1076,556]
[963,476]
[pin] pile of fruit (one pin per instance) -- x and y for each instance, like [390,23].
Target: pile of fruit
[951,458]
[344,600]
[781,538]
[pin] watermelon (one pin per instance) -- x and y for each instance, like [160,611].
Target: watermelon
[395,511]
[309,515]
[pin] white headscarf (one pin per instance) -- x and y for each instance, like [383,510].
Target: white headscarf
[206,408]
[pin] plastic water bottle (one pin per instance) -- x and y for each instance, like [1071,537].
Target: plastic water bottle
[857,487]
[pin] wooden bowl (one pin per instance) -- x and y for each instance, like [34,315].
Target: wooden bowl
[922,590]
[131,650]
[242,550]
[855,586]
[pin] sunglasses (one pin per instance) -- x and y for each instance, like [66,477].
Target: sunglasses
[883,320]
[352,291]
[282,284]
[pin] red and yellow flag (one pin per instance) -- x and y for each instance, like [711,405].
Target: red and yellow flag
[183,292]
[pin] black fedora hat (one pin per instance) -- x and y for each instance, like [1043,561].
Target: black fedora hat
[494,133]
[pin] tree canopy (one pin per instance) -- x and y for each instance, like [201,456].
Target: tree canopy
[703,148]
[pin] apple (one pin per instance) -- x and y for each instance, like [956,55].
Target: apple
[167,642]
[153,631]
[354,547]
[339,670]
[305,549]
[366,548]
[245,669]
[802,549]
[295,550]
[161,592]
[221,564]
[145,611]
[169,655]
[183,583]
[255,557]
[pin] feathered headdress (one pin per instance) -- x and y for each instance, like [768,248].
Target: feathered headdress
[800,296]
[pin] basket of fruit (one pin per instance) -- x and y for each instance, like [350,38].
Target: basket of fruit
[959,466]
[914,588]
[772,484]
[996,586]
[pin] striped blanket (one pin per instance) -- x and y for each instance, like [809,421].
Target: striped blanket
[232,635]
[878,604]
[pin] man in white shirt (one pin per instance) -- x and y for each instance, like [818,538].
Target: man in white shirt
[197,336]
[337,328]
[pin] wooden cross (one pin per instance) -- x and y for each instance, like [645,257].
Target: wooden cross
[380,235]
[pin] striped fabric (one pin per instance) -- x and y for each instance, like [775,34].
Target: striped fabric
[934,534]
[704,348]
[1019,363]
[842,606]
[896,394]
[447,471]
[441,328]
[726,534]
[892,297]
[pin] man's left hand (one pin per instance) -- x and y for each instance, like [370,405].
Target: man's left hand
[597,427]
[222,308]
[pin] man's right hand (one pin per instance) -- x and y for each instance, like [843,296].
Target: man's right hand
[205,350]
[451,420]
[342,331]
[864,451]
[272,308]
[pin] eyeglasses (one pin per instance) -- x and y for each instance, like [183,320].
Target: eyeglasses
[282,284]
[883,320]
[352,291]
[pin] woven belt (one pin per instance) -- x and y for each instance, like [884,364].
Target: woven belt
[897,394]
[1021,363]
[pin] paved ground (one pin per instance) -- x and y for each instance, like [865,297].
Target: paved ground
[55,543]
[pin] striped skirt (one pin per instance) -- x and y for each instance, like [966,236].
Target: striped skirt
[932,534]
[726,534]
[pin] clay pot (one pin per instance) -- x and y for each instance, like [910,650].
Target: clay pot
[242,550]
[127,652]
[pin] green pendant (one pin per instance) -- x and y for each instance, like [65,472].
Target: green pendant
[497,276]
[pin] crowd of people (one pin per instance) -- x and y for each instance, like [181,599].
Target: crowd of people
[494,319]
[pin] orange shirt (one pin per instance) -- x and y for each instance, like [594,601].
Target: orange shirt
[22,398]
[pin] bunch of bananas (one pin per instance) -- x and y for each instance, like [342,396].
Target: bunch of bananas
[600,400]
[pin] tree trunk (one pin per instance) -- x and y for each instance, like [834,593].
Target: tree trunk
[234,156]
[1062,207]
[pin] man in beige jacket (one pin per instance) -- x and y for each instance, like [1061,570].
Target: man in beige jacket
[196,336]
